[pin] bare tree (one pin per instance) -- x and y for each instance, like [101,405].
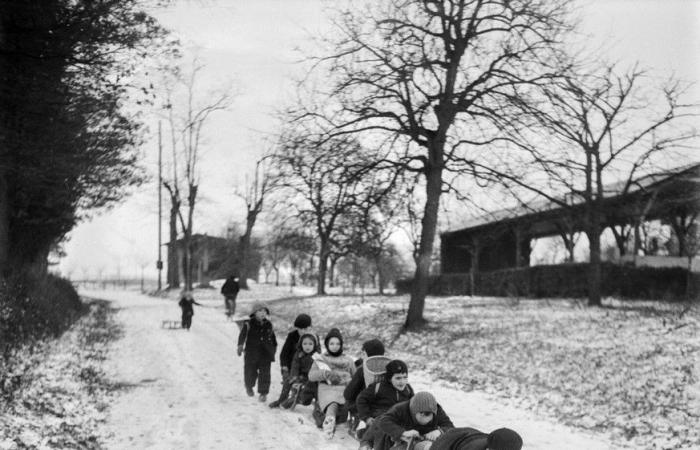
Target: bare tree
[186,139]
[433,75]
[325,180]
[256,191]
[605,130]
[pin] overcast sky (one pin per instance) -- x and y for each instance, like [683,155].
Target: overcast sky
[250,44]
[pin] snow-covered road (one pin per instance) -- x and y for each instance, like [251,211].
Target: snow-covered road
[185,390]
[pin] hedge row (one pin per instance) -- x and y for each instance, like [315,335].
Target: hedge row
[36,308]
[568,280]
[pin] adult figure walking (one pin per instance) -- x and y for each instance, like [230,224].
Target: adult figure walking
[230,292]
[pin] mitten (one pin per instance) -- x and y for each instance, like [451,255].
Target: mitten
[334,378]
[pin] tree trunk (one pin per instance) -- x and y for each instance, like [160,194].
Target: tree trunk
[4,226]
[331,272]
[322,268]
[594,273]
[414,316]
[173,269]
[620,239]
[243,258]
[381,280]
[594,223]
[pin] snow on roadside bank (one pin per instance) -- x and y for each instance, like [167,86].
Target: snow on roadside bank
[63,394]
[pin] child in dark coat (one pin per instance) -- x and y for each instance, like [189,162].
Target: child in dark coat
[419,419]
[373,347]
[472,439]
[257,338]
[301,324]
[185,303]
[301,364]
[377,398]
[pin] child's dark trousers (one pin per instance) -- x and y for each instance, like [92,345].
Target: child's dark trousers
[257,367]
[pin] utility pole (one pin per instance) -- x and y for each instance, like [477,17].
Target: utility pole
[159,263]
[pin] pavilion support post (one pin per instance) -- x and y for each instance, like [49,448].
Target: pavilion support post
[474,265]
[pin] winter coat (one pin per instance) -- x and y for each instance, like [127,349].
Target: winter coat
[259,338]
[230,287]
[461,439]
[399,419]
[356,385]
[378,397]
[333,373]
[186,305]
[302,361]
[289,349]
[301,365]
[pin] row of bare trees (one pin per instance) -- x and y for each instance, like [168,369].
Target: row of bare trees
[187,110]
[437,95]
[482,91]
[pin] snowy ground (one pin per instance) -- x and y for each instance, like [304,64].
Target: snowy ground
[185,389]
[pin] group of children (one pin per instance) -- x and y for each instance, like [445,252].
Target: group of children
[386,414]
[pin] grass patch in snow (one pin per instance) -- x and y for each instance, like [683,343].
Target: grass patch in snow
[629,369]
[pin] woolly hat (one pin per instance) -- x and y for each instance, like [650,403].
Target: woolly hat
[257,306]
[308,336]
[373,347]
[395,366]
[302,321]
[423,402]
[333,333]
[504,439]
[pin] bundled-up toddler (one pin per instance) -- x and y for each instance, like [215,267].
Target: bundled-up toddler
[257,339]
[333,371]
[289,349]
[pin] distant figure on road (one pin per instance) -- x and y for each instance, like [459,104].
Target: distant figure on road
[230,292]
[186,302]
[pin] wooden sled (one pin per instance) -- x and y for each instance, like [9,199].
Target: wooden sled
[171,324]
[238,320]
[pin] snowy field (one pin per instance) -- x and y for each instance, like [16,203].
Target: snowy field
[188,388]
[526,365]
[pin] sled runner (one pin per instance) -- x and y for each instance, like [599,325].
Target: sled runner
[238,320]
[171,324]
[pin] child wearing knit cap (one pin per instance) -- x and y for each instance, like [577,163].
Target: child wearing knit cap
[420,419]
[257,339]
[333,372]
[378,397]
[301,325]
[472,439]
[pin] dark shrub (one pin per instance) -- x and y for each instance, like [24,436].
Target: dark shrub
[34,308]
